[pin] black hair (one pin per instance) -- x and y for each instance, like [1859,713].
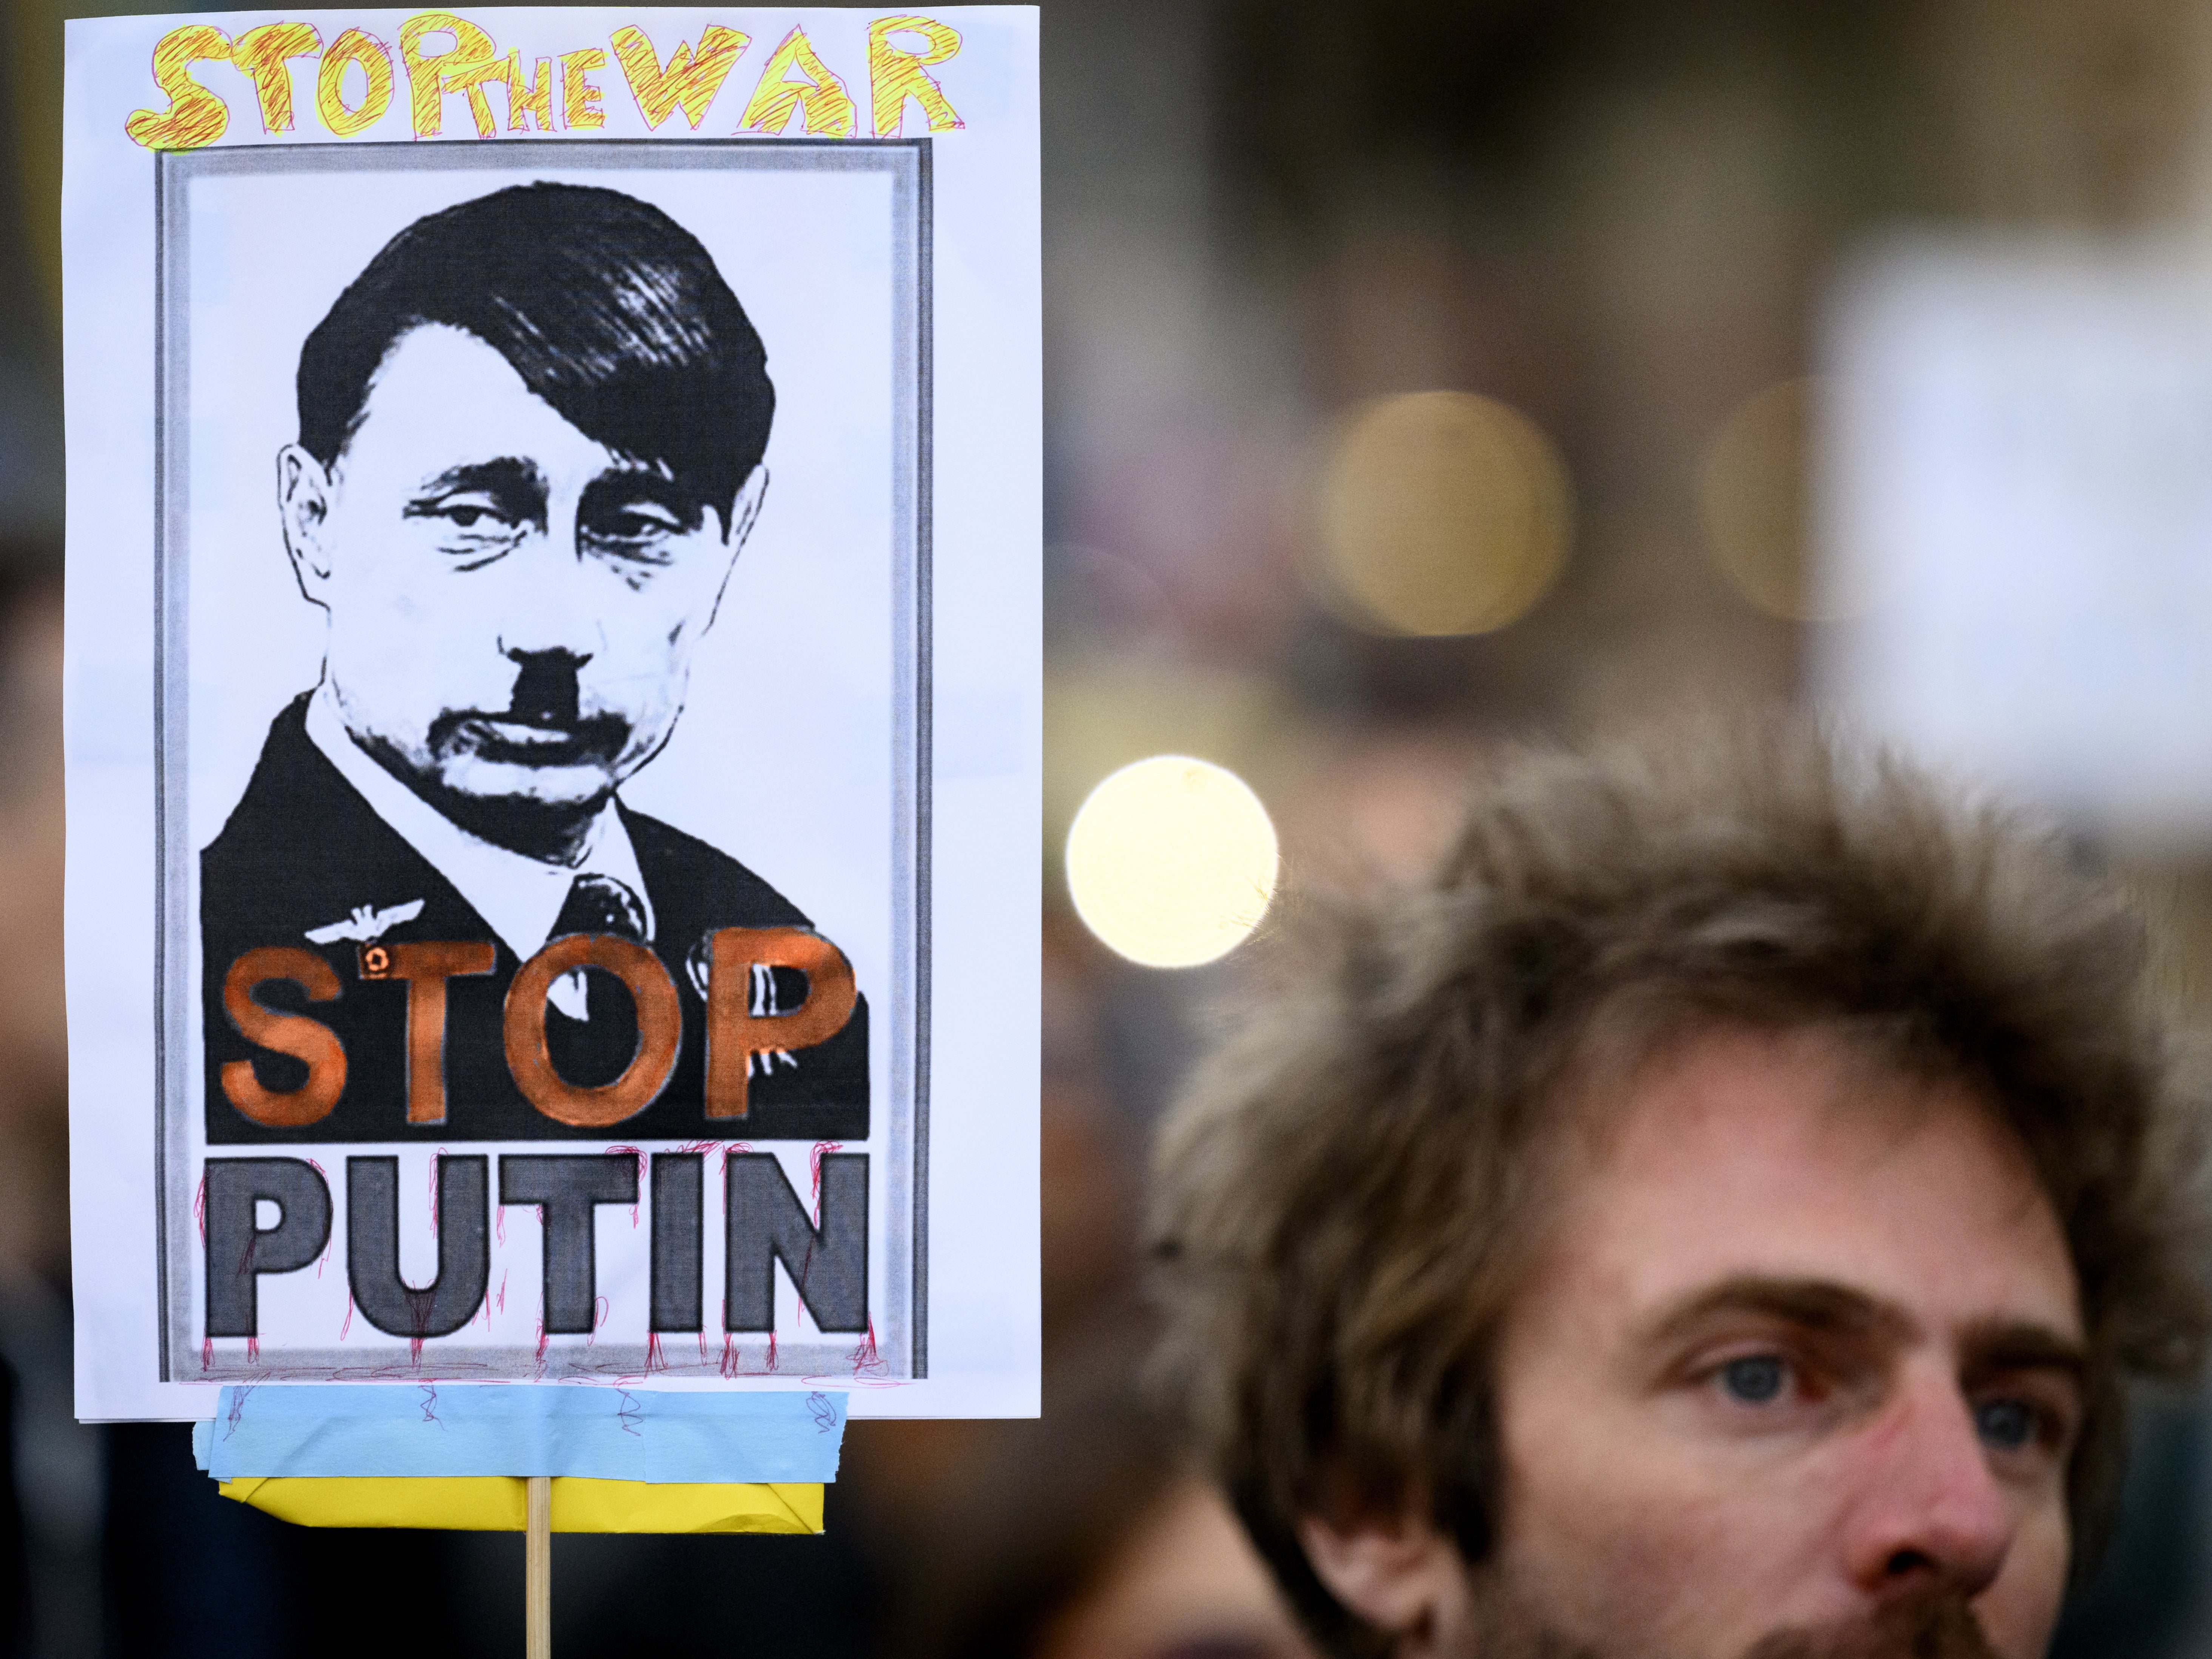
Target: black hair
[608,309]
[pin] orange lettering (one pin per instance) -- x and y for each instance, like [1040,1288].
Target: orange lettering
[659,1030]
[295,1035]
[735,1034]
[426,967]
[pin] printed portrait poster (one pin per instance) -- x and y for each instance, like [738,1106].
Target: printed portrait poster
[553,702]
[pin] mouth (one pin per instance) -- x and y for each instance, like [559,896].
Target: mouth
[530,739]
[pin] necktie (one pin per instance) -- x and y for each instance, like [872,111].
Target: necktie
[600,904]
[592,1027]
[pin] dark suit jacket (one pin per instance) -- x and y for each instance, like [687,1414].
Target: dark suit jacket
[303,850]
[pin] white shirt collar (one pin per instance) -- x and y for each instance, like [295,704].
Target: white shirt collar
[520,896]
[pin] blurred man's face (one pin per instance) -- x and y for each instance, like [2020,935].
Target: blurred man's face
[514,606]
[1800,1377]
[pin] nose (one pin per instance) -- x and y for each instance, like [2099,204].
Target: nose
[548,607]
[1931,1513]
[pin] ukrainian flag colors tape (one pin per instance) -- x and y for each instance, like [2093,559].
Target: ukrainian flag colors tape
[496,1503]
[446,1430]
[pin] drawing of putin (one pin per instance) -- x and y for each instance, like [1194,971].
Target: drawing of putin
[529,447]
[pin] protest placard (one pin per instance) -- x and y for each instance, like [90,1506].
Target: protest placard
[553,690]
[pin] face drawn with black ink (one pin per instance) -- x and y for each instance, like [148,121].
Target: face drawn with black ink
[529,455]
[514,606]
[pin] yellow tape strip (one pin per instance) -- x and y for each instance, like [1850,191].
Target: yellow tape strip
[496,1504]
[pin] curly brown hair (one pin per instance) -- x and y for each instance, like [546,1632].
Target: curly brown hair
[1347,1198]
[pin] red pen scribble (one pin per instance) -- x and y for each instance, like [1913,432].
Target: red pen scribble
[199,1205]
[865,1357]
[207,1353]
[348,1326]
[771,1350]
[729,1361]
[502,1289]
[498,1221]
[598,1318]
[414,1353]
[654,1360]
[542,1339]
[253,1351]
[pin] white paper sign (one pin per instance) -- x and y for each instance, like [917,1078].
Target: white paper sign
[543,486]
[2017,488]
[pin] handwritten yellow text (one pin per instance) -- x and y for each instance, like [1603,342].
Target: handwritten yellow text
[444,55]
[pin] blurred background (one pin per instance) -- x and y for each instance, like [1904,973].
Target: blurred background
[1421,377]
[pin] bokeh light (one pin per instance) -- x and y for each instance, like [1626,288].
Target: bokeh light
[1754,498]
[1101,713]
[1442,512]
[1171,861]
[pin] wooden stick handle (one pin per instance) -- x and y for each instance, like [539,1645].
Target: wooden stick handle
[538,1571]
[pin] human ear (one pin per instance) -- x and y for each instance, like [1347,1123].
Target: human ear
[1396,1573]
[746,508]
[303,504]
[743,512]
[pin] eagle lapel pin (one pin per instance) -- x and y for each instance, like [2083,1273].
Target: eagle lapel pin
[366,924]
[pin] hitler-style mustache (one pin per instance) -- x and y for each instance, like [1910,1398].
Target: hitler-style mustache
[545,689]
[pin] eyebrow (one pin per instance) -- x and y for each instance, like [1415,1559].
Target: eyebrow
[1822,1306]
[513,480]
[1816,1304]
[633,480]
[2005,1345]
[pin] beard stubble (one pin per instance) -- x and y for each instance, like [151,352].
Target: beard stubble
[1933,1624]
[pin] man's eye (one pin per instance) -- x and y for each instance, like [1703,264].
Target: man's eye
[638,524]
[469,515]
[2007,1424]
[465,513]
[1756,1379]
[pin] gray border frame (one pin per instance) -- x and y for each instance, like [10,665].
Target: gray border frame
[906,1306]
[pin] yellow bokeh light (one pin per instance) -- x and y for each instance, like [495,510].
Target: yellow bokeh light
[1755,495]
[1442,512]
[1171,861]
[1752,497]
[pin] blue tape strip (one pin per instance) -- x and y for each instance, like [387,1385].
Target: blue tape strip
[477,1429]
